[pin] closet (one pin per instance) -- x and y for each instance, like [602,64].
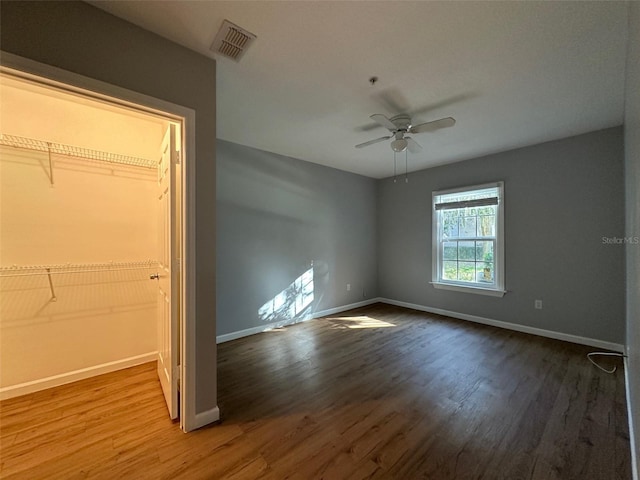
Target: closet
[79,236]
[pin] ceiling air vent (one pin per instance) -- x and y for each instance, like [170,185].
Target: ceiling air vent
[232,41]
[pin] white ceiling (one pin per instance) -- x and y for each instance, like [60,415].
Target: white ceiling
[511,73]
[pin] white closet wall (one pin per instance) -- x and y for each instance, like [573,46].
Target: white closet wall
[76,218]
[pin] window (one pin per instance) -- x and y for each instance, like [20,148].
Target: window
[468,250]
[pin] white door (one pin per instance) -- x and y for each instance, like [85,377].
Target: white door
[168,273]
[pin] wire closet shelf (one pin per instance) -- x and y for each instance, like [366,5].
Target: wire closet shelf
[73,151]
[72,268]
[68,268]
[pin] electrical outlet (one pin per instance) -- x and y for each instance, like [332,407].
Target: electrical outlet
[538,304]
[348,287]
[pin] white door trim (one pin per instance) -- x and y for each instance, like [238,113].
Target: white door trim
[72,82]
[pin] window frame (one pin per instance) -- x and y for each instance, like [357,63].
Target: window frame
[498,288]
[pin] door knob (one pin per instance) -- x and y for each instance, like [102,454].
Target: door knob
[154,276]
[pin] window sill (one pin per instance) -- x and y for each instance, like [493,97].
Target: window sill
[467,289]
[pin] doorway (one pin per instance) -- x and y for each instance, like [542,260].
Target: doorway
[93,202]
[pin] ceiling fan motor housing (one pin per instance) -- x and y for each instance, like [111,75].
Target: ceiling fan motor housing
[402,122]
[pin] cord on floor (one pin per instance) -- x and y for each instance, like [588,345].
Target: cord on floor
[606,354]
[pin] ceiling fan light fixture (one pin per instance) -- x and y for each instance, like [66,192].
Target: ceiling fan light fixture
[399,145]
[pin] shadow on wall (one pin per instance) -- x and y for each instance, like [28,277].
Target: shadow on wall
[284,227]
[32,298]
[53,325]
[296,302]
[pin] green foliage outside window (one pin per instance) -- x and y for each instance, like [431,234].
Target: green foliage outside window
[468,260]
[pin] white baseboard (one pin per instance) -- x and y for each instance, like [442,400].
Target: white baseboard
[270,326]
[592,342]
[632,435]
[227,337]
[74,376]
[203,418]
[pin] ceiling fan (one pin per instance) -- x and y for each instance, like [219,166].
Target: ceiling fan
[400,125]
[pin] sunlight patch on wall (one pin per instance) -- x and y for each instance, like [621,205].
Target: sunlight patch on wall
[292,302]
[363,321]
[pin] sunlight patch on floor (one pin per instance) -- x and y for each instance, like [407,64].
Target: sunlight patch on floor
[275,329]
[363,321]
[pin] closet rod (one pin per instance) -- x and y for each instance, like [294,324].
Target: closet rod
[73,151]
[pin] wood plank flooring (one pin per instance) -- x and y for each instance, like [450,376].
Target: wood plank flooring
[376,393]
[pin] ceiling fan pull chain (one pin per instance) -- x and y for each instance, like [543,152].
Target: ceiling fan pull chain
[394,168]
[406,168]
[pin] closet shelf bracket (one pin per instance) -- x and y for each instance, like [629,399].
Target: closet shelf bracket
[50,171]
[53,292]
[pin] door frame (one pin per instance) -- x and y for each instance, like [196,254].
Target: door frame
[31,70]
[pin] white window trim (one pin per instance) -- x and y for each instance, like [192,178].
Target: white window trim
[499,289]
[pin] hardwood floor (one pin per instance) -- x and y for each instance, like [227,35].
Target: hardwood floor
[376,393]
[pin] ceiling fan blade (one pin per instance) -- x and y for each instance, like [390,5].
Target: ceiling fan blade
[443,103]
[393,100]
[412,145]
[368,127]
[371,142]
[384,121]
[435,125]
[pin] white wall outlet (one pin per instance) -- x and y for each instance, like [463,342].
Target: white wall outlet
[348,287]
[538,304]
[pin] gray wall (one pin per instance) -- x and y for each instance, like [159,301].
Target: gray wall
[632,176]
[79,38]
[276,217]
[561,198]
